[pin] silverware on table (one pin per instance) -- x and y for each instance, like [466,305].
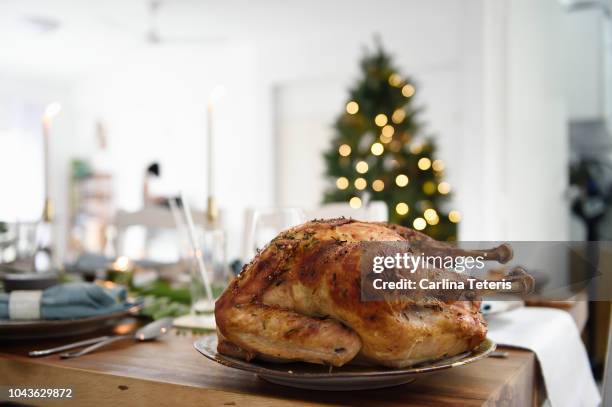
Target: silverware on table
[499,354]
[148,332]
[45,352]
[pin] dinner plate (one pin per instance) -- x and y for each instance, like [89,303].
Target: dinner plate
[345,378]
[10,329]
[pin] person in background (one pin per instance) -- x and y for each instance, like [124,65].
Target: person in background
[152,191]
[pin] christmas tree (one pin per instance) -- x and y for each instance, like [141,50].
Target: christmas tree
[379,152]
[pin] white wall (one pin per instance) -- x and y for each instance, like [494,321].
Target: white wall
[536,148]
[154,106]
[312,69]
[486,71]
[583,35]
[23,100]
[489,76]
[151,98]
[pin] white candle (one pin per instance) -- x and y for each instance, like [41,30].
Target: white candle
[46,127]
[52,110]
[216,94]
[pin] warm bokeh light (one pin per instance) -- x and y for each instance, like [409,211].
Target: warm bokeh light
[408,90]
[377,149]
[395,80]
[385,139]
[378,185]
[355,202]
[416,148]
[352,107]
[360,183]
[342,183]
[398,116]
[380,120]
[437,165]
[401,180]
[430,213]
[429,188]
[362,167]
[402,208]
[454,216]
[419,223]
[433,221]
[444,188]
[121,264]
[388,131]
[424,163]
[344,150]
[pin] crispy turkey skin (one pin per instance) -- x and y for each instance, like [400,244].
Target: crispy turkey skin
[299,299]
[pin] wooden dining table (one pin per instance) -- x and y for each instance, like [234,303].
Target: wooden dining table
[171,372]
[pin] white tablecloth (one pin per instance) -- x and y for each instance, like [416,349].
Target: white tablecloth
[553,336]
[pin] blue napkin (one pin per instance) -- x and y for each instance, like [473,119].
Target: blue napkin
[75,300]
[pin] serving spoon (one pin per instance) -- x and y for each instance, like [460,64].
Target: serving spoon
[148,332]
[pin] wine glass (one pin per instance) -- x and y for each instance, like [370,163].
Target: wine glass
[265,224]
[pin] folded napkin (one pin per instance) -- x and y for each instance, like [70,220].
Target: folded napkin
[553,336]
[64,301]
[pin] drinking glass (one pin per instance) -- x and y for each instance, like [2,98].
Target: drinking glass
[211,250]
[265,224]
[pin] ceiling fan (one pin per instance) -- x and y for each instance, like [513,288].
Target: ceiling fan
[153,35]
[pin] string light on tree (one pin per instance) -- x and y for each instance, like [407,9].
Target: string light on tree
[380,119]
[398,116]
[429,187]
[385,139]
[355,202]
[388,153]
[454,216]
[438,165]
[401,180]
[377,149]
[424,163]
[352,107]
[419,224]
[416,148]
[402,208]
[378,185]
[344,150]
[362,167]
[342,183]
[444,188]
[388,131]
[431,216]
[395,80]
[408,90]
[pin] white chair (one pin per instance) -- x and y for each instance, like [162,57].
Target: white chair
[154,220]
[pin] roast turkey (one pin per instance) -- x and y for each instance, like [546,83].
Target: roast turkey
[299,299]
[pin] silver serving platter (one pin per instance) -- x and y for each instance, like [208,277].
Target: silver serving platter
[345,378]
